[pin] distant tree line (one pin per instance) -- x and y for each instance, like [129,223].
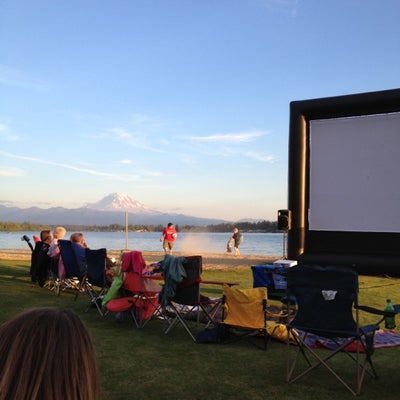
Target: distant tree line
[261,227]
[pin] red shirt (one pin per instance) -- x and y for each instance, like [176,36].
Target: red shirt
[167,233]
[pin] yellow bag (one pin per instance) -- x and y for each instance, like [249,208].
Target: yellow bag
[280,332]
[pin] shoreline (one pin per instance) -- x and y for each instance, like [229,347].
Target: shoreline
[210,260]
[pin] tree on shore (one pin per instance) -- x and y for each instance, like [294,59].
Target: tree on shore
[260,226]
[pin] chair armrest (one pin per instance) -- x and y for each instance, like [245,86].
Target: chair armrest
[208,282]
[376,311]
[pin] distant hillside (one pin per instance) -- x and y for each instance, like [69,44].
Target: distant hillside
[109,210]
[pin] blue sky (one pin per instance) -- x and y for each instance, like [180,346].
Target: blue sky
[181,104]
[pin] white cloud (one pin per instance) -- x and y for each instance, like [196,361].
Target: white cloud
[135,139]
[235,137]
[187,159]
[268,158]
[262,157]
[11,172]
[289,6]
[87,171]
[232,139]
[153,173]
[5,135]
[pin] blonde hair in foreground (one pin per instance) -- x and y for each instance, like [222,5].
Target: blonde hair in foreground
[47,353]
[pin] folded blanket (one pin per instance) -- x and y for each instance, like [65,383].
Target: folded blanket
[382,339]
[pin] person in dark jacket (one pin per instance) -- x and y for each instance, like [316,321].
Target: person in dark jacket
[40,261]
[237,238]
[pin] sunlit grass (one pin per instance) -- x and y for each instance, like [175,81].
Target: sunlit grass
[147,364]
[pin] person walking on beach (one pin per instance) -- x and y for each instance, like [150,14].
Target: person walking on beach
[237,238]
[168,238]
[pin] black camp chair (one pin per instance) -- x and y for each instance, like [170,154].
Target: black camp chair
[40,263]
[94,283]
[28,241]
[186,306]
[325,299]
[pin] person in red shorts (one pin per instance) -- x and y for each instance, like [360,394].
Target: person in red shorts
[168,238]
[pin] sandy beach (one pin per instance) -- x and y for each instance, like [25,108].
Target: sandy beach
[210,260]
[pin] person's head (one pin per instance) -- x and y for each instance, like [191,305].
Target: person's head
[47,353]
[46,236]
[170,225]
[59,232]
[78,238]
[235,230]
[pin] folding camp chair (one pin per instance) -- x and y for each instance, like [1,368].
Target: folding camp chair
[273,278]
[74,270]
[325,299]
[139,293]
[52,281]
[245,315]
[181,300]
[94,282]
[28,241]
[40,263]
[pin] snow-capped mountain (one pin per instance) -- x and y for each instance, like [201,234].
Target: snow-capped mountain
[120,202]
[111,209]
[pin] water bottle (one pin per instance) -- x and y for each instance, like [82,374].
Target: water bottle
[390,322]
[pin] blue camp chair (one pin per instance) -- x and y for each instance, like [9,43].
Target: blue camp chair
[75,267]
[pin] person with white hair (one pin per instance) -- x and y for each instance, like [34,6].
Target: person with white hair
[54,251]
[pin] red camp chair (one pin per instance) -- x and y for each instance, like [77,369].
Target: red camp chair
[139,292]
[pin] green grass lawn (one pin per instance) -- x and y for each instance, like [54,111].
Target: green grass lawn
[147,364]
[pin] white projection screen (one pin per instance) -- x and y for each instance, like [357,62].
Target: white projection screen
[354,168]
[344,181]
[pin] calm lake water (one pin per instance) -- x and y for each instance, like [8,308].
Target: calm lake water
[268,244]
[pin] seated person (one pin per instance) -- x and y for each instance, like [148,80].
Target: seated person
[79,245]
[54,252]
[40,261]
[110,269]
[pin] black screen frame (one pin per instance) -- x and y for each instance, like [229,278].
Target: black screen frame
[372,253]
